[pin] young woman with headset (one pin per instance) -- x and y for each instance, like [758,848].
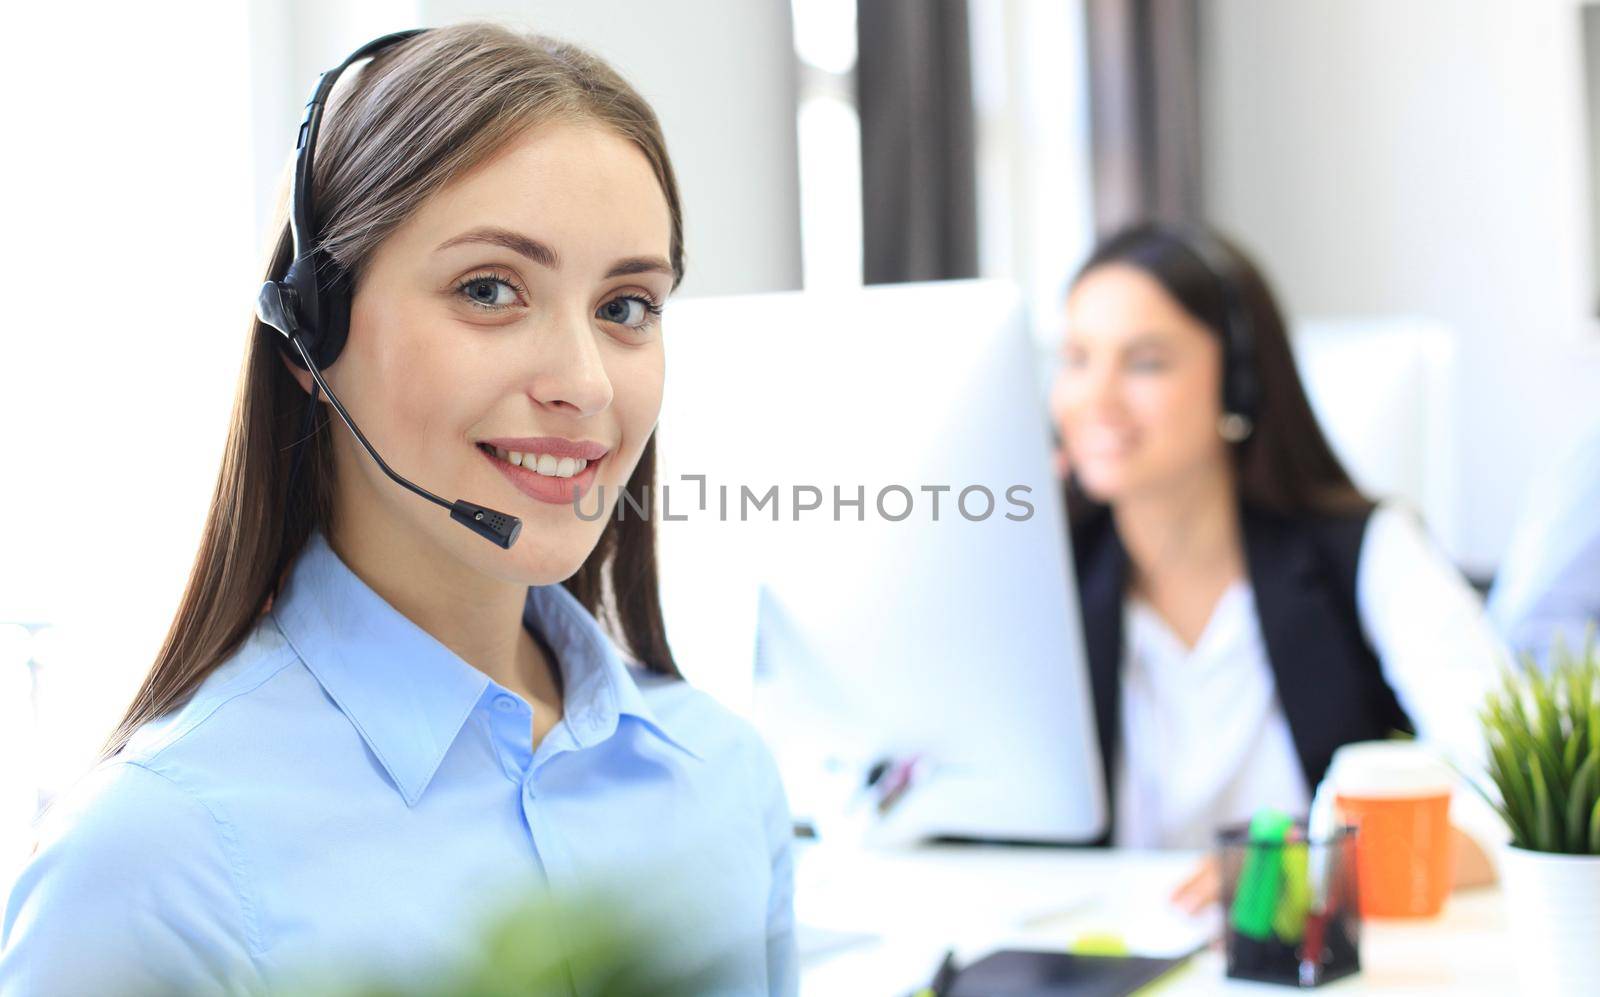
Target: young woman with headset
[1246,609]
[370,728]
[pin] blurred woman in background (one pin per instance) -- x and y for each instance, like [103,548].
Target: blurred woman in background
[1247,610]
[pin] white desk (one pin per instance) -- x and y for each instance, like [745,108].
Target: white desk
[920,902]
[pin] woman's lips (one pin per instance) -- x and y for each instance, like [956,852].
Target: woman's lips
[543,487]
[1102,443]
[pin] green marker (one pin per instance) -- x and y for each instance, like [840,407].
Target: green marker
[1257,897]
[1294,901]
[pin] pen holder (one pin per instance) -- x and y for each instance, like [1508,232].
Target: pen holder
[1291,906]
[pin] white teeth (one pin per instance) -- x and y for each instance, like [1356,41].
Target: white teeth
[1107,438]
[546,464]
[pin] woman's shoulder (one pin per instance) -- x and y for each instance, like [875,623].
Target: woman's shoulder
[129,857]
[152,794]
[1387,567]
[1390,532]
[250,729]
[151,810]
[238,687]
[1342,523]
[123,814]
[734,752]
[706,726]
[1400,553]
[688,713]
[1332,540]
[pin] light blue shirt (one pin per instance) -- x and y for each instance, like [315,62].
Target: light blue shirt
[1549,580]
[346,794]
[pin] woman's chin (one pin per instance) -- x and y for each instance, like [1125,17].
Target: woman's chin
[545,552]
[1103,485]
[546,565]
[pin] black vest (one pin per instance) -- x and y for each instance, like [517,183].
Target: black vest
[1303,572]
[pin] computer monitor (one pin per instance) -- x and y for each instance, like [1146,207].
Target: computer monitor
[907,578]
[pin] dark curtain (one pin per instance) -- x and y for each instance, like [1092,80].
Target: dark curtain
[1144,95]
[918,158]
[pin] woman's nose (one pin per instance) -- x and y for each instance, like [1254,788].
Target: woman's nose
[1102,388]
[571,374]
[1086,387]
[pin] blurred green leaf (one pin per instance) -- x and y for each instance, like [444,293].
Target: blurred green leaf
[537,949]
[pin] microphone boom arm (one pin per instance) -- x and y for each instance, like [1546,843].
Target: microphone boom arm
[498,527]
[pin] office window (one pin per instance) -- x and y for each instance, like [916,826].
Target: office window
[829,136]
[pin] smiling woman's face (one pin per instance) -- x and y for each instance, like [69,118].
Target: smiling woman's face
[520,302]
[1138,395]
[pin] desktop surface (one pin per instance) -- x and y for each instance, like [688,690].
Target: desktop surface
[880,921]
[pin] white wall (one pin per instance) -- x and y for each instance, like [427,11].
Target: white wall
[127,286]
[291,43]
[721,76]
[1424,157]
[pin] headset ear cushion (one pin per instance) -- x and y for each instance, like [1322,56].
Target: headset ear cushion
[322,287]
[309,328]
[333,299]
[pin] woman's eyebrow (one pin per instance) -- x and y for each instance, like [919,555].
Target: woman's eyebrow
[639,264]
[518,243]
[1146,340]
[546,257]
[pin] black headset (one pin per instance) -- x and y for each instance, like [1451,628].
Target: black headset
[310,303]
[312,300]
[1241,388]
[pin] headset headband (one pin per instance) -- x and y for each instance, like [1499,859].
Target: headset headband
[302,218]
[311,300]
[1241,394]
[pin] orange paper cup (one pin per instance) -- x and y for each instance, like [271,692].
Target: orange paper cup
[1397,794]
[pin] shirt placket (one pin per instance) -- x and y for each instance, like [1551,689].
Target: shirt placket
[511,721]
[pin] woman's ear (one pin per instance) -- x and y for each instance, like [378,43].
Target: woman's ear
[301,376]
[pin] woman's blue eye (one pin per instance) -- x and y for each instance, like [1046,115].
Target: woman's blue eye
[629,310]
[474,288]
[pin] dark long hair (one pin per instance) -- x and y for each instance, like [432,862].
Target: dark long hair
[413,119]
[1285,465]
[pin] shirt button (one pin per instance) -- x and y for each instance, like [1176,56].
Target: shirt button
[505,704]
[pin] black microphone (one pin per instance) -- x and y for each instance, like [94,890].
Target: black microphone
[499,527]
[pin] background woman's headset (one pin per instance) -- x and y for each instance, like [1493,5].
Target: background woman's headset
[1241,389]
[310,303]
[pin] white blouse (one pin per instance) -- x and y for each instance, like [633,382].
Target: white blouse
[1204,740]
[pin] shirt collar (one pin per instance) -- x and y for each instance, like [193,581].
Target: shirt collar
[408,695]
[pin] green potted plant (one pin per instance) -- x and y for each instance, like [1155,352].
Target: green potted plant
[1542,728]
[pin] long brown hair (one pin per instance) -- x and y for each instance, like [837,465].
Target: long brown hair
[411,120]
[1285,465]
